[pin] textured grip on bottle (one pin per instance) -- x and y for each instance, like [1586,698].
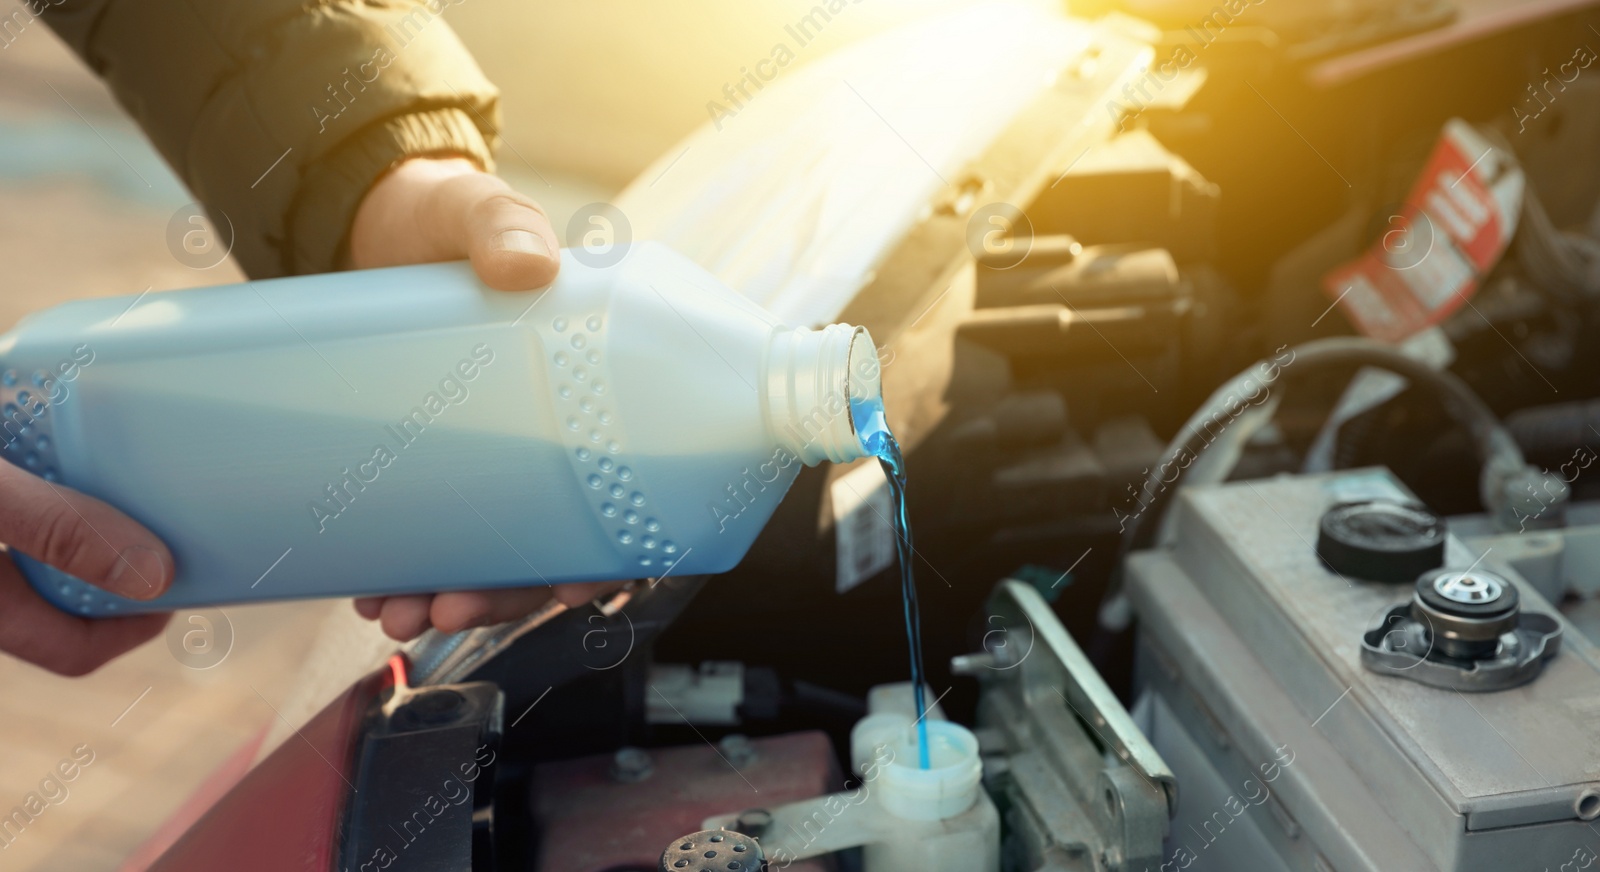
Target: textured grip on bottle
[597,444]
[25,401]
[27,404]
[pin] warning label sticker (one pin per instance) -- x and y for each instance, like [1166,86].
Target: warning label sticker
[1436,247]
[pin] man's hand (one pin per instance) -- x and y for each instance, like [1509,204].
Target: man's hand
[86,538]
[428,210]
[405,617]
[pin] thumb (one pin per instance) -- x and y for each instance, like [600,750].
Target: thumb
[510,240]
[81,536]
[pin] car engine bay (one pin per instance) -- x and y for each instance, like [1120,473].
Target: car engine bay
[1248,413]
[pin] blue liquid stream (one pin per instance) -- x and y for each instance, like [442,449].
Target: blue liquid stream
[873,431]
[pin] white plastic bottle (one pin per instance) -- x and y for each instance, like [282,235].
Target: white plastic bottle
[408,429]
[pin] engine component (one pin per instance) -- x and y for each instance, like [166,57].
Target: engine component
[1462,631]
[709,694]
[1134,188]
[1534,500]
[901,816]
[714,851]
[590,820]
[1092,304]
[1563,564]
[423,787]
[904,818]
[1381,540]
[1559,434]
[630,765]
[1081,787]
[1293,754]
[1501,460]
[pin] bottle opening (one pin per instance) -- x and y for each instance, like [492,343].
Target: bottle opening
[943,790]
[824,396]
[865,388]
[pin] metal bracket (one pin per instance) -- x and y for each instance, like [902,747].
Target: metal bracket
[1080,786]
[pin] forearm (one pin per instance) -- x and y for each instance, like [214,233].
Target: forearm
[281,114]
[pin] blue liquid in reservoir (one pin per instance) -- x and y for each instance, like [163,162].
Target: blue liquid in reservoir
[875,437]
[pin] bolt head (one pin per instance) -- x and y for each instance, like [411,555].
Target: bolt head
[631,764]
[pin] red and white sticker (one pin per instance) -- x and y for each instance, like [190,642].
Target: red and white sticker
[1451,229]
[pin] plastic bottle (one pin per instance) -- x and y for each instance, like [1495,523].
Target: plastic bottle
[408,430]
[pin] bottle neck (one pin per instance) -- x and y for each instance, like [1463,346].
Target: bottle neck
[812,378]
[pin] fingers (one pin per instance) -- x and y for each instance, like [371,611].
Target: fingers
[81,536]
[574,595]
[460,610]
[405,617]
[428,210]
[38,632]
[369,607]
[510,240]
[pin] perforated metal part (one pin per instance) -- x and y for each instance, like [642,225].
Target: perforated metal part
[713,851]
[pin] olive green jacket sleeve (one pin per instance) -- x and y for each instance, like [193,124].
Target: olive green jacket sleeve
[280,114]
